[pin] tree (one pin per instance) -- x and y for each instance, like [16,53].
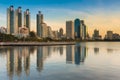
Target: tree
[32,34]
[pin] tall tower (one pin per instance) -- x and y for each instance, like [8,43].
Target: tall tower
[70,29]
[27,19]
[39,23]
[10,20]
[18,19]
[83,30]
[77,25]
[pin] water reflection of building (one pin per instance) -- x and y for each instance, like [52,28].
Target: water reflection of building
[39,59]
[69,54]
[42,54]
[110,50]
[26,54]
[10,62]
[17,61]
[96,50]
[61,50]
[19,57]
[83,54]
[75,54]
[14,60]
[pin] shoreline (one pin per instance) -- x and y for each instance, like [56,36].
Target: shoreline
[35,43]
[44,43]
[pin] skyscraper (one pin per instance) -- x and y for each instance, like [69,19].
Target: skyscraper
[83,30]
[10,20]
[77,25]
[27,19]
[39,23]
[70,29]
[18,19]
[96,35]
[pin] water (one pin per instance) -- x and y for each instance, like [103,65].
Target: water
[83,61]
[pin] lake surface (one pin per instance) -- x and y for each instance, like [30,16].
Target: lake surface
[83,61]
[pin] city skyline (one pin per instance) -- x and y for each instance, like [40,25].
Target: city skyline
[98,14]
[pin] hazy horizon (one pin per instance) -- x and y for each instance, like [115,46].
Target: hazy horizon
[97,14]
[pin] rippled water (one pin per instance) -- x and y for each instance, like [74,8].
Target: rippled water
[83,61]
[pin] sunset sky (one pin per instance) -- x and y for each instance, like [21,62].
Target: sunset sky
[98,14]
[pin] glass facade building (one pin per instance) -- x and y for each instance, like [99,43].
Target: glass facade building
[27,19]
[10,20]
[18,19]
[77,28]
[39,22]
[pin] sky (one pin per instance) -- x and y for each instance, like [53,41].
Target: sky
[97,14]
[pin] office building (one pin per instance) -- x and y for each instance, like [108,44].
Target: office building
[96,35]
[39,23]
[77,25]
[10,20]
[83,30]
[44,30]
[18,19]
[110,35]
[69,29]
[27,19]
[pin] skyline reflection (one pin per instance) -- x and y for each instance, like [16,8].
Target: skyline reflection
[22,61]
[75,54]
[18,58]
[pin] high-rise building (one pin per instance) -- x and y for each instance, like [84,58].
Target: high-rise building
[44,30]
[39,23]
[70,29]
[10,20]
[77,25]
[27,19]
[83,30]
[96,35]
[110,35]
[18,19]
